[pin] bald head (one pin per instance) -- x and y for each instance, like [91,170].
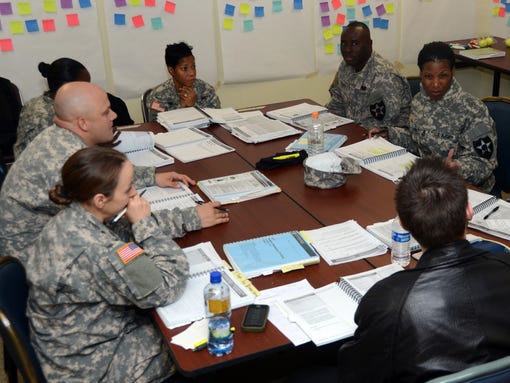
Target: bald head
[84,109]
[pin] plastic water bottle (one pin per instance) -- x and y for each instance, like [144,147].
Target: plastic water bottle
[217,310]
[400,240]
[315,136]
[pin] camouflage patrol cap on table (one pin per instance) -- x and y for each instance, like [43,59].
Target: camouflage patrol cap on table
[328,171]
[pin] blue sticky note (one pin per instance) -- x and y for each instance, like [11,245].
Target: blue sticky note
[376,21]
[85,4]
[230,9]
[156,23]
[248,25]
[277,6]
[351,13]
[367,11]
[259,11]
[503,1]
[298,4]
[381,23]
[507,7]
[31,26]
[119,19]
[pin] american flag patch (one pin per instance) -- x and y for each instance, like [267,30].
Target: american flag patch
[128,252]
[157,106]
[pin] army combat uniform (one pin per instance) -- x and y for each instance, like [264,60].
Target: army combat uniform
[376,96]
[24,203]
[89,293]
[458,121]
[165,97]
[37,114]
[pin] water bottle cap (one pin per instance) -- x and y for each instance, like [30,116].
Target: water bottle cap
[315,114]
[215,277]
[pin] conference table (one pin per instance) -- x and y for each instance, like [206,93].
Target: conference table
[498,65]
[366,198]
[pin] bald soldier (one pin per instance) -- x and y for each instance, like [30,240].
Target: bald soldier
[83,117]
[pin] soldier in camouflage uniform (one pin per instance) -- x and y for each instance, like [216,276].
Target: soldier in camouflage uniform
[24,204]
[183,89]
[448,122]
[367,88]
[90,287]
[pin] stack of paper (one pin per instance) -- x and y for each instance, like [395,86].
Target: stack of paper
[183,118]
[255,127]
[382,230]
[223,115]
[190,144]
[238,187]
[300,116]
[344,242]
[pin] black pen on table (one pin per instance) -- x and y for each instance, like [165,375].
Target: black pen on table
[123,211]
[216,207]
[491,212]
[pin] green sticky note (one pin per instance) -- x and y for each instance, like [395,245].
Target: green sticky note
[49,6]
[17,27]
[228,24]
[277,6]
[24,8]
[248,25]
[157,23]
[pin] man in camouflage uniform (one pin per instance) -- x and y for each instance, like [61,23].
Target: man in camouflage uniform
[183,89]
[449,122]
[367,88]
[90,289]
[81,120]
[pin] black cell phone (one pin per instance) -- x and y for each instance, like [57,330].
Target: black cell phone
[255,318]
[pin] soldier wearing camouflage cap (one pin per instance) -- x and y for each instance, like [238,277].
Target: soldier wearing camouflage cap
[367,88]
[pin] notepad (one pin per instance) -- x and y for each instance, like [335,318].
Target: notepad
[139,148]
[238,187]
[191,144]
[492,214]
[344,242]
[265,255]
[327,314]
[380,157]
[203,259]
[300,116]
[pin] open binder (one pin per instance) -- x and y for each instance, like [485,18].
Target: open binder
[139,148]
[492,214]
[170,198]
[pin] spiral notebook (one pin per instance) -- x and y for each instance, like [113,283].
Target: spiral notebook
[170,198]
[492,214]
[265,255]
[327,314]
[382,231]
[203,259]
[139,148]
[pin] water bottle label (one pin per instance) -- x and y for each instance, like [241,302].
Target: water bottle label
[218,306]
[400,237]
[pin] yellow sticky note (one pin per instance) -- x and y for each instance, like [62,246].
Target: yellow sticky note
[495,11]
[17,27]
[135,3]
[329,48]
[228,24]
[327,34]
[337,29]
[24,8]
[390,8]
[50,6]
[350,3]
[244,9]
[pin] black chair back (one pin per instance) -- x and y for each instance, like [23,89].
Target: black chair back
[10,109]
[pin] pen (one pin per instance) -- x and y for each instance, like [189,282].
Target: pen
[200,345]
[216,207]
[491,212]
[286,156]
[123,211]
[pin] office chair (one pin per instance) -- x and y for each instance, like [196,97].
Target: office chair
[499,109]
[497,371]
[11,103]
[145,109]
[414,83]
[19,354]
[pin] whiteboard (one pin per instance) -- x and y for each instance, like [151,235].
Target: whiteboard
[138,54]
[81,43]
[279,46]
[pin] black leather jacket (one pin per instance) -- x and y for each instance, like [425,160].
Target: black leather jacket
[450,312]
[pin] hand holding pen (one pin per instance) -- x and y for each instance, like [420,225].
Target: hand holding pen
[123,211]
[211,213]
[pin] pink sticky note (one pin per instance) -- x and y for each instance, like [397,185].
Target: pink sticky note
[362,1]
[340,18]
[48,25]
[150,3]
[501,12]
[170,7]
[6,45]
[138,21]
[336,4]
[73,20]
